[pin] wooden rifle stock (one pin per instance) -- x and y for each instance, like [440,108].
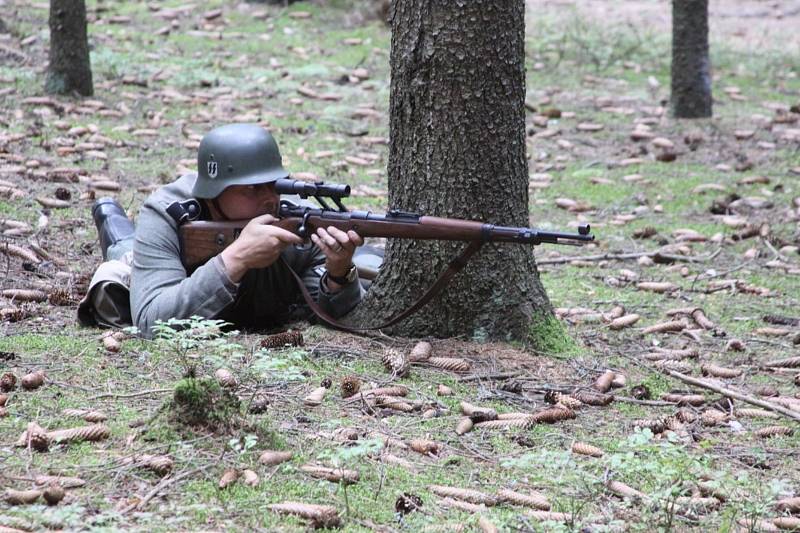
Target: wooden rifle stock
[202,240]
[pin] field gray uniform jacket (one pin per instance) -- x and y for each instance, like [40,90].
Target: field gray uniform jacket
[161,288]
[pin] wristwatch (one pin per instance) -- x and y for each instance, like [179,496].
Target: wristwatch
[350,277]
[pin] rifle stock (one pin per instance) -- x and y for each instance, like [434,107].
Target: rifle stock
[203,240]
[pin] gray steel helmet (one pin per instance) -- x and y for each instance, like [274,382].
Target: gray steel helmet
[236,154]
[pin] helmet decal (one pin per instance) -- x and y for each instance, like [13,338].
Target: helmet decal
[212,169]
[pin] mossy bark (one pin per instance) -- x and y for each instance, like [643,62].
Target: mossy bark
[458,150]
[691,67]
[69,70]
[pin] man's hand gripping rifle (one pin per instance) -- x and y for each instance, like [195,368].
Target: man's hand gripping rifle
[201,240]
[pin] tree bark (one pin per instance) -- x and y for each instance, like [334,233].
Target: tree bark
[691,76]
[457,129]
[69,69]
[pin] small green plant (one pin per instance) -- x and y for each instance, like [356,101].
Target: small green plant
[344,456]
[184,337]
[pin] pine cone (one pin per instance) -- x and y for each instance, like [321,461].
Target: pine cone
[593,398]
[60,297]
[228,478]
[334,475]
[603,383]
[424,446]
[225,378]
[32,381]
[532,499]
[547,516]
[279,340]
[86,414]
[407,503]
[464,425]
[655,426]
[315,397]
[755,413]
[685,399]
[21,497]
[396,363]
[272,458]
[773,431]
[259,404]
[791,362]
[37,437]
[53,494]
[321,516]
[553,415]
[394,390]
[250,478]
[467,495]
[787,522]
[521,422]
[160,464]
[92,433]
[350,386]
[3,400]
[586,449]
[550,397]
[450,503]
[13,314]
[719,371]
[478,414]
[8,382]
[326,382]
[420,352]
[621,489]
[453,364]
[678,366]
[567,401]
[641,392]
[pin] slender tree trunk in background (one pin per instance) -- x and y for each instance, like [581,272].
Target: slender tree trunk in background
[457,128]
[691,68]
[69,69]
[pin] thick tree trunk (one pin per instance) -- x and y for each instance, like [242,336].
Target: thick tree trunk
[69,69]
[691,76]
[458,150]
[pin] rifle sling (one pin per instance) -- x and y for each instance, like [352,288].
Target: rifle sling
[441,282]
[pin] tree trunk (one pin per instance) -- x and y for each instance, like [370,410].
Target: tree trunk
[691,76]
[69,69]
[457,128]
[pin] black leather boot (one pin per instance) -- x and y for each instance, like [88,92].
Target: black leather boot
[113,225]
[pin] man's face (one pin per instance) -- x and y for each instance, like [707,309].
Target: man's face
[240,202]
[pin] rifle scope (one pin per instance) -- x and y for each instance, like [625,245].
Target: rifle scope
[305,189]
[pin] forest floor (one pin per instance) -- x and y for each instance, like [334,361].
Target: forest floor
[688,215]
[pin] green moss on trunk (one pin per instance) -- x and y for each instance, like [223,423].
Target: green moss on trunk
[548,335]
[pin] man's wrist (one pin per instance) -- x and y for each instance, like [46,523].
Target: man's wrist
[348,276]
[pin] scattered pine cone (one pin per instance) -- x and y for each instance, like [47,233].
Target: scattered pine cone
[21,497]
[521,422]
[86,414]
[225,378]
[464,425]
[60,297]
[773,431]
[32,381]
[37,437]
[321,516]
[420,352]
[467,495]
[62,193]
[272,458]
[326,382]
[259,404]
[334,475]
[160,464]
[656,426]
[586,449]
[621,489]
[279,340]
[53,494]
[393,390]
[641,392]
[603,383]
[8,382]
[791,362]
[549,516]
[424,446]
[93,433]
[13,314]
[554,397]
[453,364]
[350,386]
[553,415]
[315,397]
[249,478]
[535,500]
[228,478]
[3,400]
[396,363]
[478,414]
[685,399]
[407,503]
[719,371]
[593,398]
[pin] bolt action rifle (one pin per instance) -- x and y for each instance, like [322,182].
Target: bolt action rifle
[202,240]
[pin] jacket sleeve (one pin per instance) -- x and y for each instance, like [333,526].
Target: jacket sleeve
[160,288]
